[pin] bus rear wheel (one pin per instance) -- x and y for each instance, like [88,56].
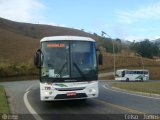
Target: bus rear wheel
[141,80]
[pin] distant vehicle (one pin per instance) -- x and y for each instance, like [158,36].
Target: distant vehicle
[132,75]
[68,68]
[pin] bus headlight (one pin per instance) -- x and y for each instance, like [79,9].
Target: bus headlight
[46,93]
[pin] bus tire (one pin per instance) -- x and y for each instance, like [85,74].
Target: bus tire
[127,80]
[141,80]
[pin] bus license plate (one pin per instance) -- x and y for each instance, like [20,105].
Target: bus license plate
[71,94]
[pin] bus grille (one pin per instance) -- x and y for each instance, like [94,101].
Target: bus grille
[70,89]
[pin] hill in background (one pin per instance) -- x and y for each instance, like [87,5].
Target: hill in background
[19,41]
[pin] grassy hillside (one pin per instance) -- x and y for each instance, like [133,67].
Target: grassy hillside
[20,40]
[123,61]
[16,47]
[40,30]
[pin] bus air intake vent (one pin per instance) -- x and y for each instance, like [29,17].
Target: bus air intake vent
[70,89]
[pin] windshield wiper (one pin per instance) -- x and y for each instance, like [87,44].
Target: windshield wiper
[60,71]
[78,69]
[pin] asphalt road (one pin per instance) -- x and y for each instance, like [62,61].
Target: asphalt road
[24,100]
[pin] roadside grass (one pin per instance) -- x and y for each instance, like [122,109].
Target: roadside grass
[3,102]
[125,61]
[146,87]
[13,69]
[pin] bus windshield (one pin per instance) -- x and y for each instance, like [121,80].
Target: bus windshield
[68,59]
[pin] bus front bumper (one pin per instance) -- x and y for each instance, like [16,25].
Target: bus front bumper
[50,95]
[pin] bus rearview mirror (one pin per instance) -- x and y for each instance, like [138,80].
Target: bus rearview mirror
[100,59]
[37,58]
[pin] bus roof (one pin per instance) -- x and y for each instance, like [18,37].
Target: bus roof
[56,38]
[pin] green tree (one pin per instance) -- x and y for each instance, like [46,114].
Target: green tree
[107,43]
[145,48]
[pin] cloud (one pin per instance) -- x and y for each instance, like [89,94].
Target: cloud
[21,10]
[133,37]
[140,38]
[143,13]
[30,11]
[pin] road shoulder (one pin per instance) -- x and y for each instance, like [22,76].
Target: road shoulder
[142,94]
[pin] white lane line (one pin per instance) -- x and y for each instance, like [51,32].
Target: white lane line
[29,88]
[105,86]
[29,107]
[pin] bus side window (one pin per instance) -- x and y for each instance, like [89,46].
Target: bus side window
[145,72]
[123,73]
[138,72]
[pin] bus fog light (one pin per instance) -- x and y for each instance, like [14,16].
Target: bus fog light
[50,92]
[92,90]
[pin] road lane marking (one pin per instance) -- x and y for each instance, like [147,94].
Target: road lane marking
[30,108]
[120,107]
[105,86]
[29,88]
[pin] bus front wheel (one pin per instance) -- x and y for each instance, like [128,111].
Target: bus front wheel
[127,80]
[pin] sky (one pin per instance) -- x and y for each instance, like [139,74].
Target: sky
[124,19]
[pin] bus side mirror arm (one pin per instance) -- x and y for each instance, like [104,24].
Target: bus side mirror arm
[100,57]
[37,58]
